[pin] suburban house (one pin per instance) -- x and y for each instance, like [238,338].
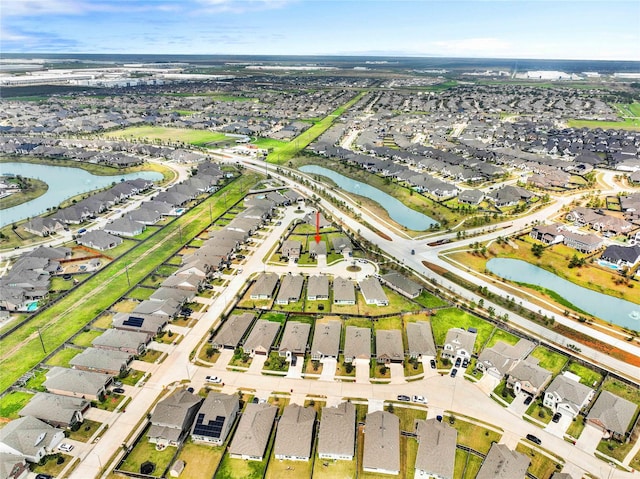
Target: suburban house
[613,415]
[131,342]
[102,361]
[566,394]
[124,227]
[13,466]
[261,337]
[373,292]
[337,434]
[585,243]
[294,435]
[290,289]
[548,234]
[501,357]
[56,410]
[317,249]
[503,463]
[252,434]
[357,344]
[229,335]
[99,240]
[382,443]
[215,418]
[168,307]
[172,418]
[342,244]
[621,256]
[401,284]
[150,324]
[420,339]
[294,339]
[526,376]
[436,449]
[291,250]
[471,197]
[181,296]
[188,282]
[318,288]
[43,226]
[77,383]
[343,291]
[389,347]
[326,340]
[459,343]
[264,286]
[30,438]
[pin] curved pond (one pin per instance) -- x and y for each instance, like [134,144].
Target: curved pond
[64,182]
[397,210]
[615,310]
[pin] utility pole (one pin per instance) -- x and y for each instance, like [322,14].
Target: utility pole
[41,341]
[126,270]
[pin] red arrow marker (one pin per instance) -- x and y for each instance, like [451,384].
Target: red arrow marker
[318,238]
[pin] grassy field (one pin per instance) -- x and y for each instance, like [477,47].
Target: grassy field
[501,335]
[22,350]
[474,436]
[632,124]
[628,109]
[541,465]
[278,469]
[623,390]
[231,468]
[467,465]
[35,188]
[12,403]
[145,451]
[269,143]
[588,376]
[86,337]
[169,135]
[283,153]
[329,469]
[62,358]
[200,460]
[446,319]
[428,300]
[549,360]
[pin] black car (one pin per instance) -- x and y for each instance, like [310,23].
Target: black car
[433,363]
[44,476]
[402,397]
[454,371]
[465,362]
[528,400]
[458,361]
[240,256]
[534,439]
[66,276]
[118,390]
[556,417]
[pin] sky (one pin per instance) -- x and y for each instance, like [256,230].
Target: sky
[540,29]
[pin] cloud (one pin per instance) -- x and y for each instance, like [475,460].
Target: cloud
[241,6]
[30,41]
[28,8]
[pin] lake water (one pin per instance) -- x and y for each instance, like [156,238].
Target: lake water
[397,210]
[64,182]
[615,310]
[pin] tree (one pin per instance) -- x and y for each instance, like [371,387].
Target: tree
[537,250]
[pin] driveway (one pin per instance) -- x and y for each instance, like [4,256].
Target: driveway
[223,359]
[295,372]
[397,373]
[257,364]
[518,406]
[487,383]
[329,366]
[362,371]
[558,428]
[589,439]
[426,365]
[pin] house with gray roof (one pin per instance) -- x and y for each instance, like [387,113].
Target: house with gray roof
[613,415]
[527,376]
[291,249]
[503,463]
[172,418]
[326,340]
[30,438]
[290,289]
[372,291]
[124,227]
[389,348]
[188,282]
[471,197]
[317,248]
[168,307]
[459,343]
[436,449]
[13,466]
[342,244]
[131,342]
[501,357]
[318,288]
[181,296]
[150,324]
[343,291]
[561,475]
[215,418]
[43,226]
[252,434]
[229,335]
[566,394]
[264,286]
[381,443]
[420,339]
[56,410]
[101,361]
[146,216]
[357,344]
[100,240]
[337,433]
[77,383]
[294,435]
[401,284]
[261,337]
[294,339]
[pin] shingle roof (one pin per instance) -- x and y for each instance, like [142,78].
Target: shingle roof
[402,283]
[357,343]
[101,359]
[253,431]
[172,411]
[326,338]
[343,290]
[569,390]
[382,441]
[74,380]
[295,337]
[262,335]
[613,412]
[318,286]
[54,407]
[389,344]
[295,431]
[503,463]
[437,448]
[23,434]
[117,338]
[420,339]
[337,430]
[264,285]
[232,330]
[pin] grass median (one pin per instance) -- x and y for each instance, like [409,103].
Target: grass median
[22,350]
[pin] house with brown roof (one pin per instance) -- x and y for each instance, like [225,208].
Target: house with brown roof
[294,435]
[337,434]
[613,415]
[252,434]
[381,443]
[294,339]
[389,347]
[261,337]
[436,449]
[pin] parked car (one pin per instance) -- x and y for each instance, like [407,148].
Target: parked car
[213,379]
[402,397]
[458,362]
[118,390]
[432,363]
[65,447]
[439,418]
[556,417]
[465,362]
[66,277]
[528,400]
[534,439]
[240,256]
[44,476]
[191,390]
[454,371]
[419,399]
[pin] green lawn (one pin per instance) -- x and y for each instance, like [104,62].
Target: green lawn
[132,378]
[169,135]
[474,436]
[622,389]
[467,465]
[150,356]
[231,468]
[51,465]
[268,143]
[541,465]
[62,357]
[576,427]
[145,451]
[37,381]
[277,469]
[86,337]
[86,430]
[501,335]
[22,350]
[12,403]
[588,376]
[110,403]
[429,301]
[537,411]
[201,460]
[408,416]
[549,360]
[140,293]
[445,319]
[503,392]
[615,449]
[632,124]
[328,469]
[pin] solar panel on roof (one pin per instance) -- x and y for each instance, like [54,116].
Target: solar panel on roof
[134,321]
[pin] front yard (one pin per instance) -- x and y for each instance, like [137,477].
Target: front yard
[473,435]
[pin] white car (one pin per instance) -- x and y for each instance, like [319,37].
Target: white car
[419,399]
[213,379]
[65,447]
